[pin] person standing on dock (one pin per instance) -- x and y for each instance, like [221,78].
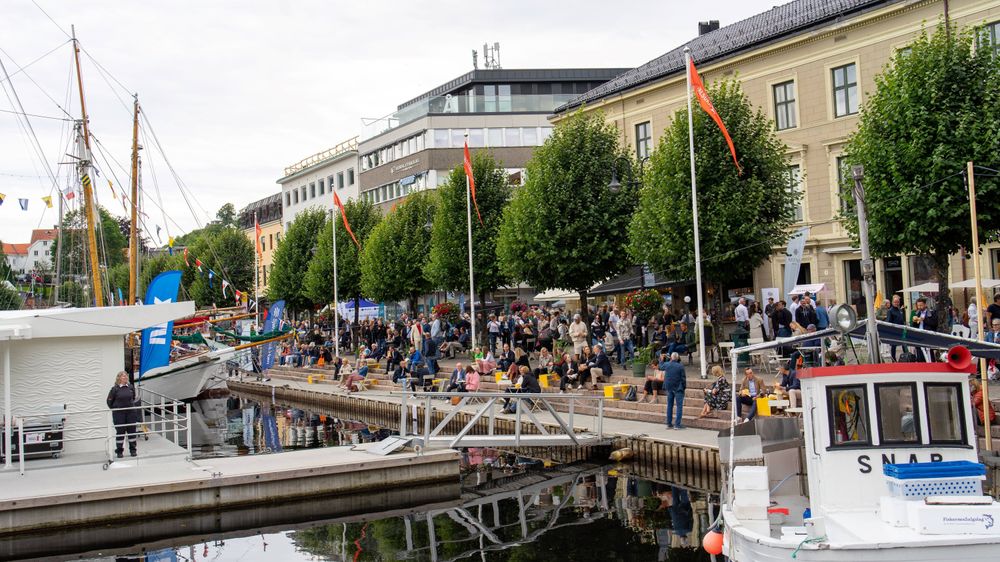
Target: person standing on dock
[675,383]
[123,395]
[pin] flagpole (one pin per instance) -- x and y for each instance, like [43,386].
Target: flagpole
[472,288]
[694,215]
[256,279]
[336,302]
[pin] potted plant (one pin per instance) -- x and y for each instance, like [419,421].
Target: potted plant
[446,310]
[645,303]
[518,306]
[643,357]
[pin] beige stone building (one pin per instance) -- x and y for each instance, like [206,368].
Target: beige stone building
[268,214]
[808,65]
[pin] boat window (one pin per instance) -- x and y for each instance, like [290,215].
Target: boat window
[897,413]
[945,412]
[848,406]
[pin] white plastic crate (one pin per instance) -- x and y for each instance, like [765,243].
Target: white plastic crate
[920,488]
[750,478]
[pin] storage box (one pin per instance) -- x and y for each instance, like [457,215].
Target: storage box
[43,440]
[752,497]
[920,488]
[954,519]
[747,513]
[750,478]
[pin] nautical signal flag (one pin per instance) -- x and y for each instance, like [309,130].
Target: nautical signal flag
[186,264]
[343,214]
[257,232]
[2,197]
[197,263]
[706,104]
[24,204]
[48,201]
[170,245]
[68,193]
[467,163]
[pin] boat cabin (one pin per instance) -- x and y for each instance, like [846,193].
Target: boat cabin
[858,418]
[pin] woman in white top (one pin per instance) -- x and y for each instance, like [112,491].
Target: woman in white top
[756,323]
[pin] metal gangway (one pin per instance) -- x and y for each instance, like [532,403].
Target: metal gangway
[481,516]
[486,424]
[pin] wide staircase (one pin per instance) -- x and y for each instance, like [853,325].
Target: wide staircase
[380,381]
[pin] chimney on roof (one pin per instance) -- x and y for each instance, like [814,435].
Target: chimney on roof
[707,26]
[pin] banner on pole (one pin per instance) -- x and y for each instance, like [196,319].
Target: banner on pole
[271,323]
[156,340]
[793,259]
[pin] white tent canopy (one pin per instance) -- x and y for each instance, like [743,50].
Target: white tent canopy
[553,295]
[971,284]
[811,288]
[922,288]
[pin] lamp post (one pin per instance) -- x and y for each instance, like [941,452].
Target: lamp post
[867,264]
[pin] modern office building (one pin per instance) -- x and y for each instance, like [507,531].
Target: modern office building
[312,181]
[808,65]
[268,214]
[506,111]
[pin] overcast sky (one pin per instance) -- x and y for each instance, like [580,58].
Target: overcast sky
[236,91]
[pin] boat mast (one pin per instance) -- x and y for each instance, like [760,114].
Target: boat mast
[133,238]
[59,249]
[88,192]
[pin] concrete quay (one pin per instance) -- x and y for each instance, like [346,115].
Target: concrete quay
[73,493]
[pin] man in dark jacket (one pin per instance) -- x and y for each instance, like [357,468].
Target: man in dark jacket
[781,320]
[924,318]
[895,315]
[600,361]
[123,395]
[675,383]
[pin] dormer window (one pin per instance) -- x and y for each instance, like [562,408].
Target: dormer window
[848,407]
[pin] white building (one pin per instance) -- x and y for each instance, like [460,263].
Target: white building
[312,181]
[17,257]
[41,248]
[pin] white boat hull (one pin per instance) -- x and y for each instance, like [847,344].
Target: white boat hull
[744,545]
[187,378]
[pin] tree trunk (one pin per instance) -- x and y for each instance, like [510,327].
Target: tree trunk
[585,314]
[412,302]
[941,267]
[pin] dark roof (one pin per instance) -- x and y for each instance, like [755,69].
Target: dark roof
[633,278]
[268,209]
[777,23]
[520,75]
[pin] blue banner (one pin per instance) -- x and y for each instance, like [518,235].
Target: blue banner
[156,340]
[270,426]
[271,323]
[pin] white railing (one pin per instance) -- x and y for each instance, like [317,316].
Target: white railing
[559,430]
[160,416]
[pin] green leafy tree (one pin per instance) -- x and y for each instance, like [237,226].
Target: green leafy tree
[292,257]
[75,294]
[10,297]
[449,258]
[740,214]
[564,228]
[226,215]
[363,217]
[6,274]
[394,257]
[118,279]
[230,256]
[934,108]
[111,243]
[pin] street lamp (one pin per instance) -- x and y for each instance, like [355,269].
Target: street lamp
[614,186]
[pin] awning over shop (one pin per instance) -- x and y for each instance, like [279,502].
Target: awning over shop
[553,295]
[899,334]
[636,277]
[971,284]
[811,288]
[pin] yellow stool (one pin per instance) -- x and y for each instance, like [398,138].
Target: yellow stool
[309,379]
[611,390]
[543,381]
[764,406]
[498,377]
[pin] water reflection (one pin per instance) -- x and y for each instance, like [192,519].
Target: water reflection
[512,508]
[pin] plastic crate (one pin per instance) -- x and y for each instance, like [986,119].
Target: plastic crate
[920,488]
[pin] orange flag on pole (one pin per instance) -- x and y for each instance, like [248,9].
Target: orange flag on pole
[472,182]
[343,214]
[706,104]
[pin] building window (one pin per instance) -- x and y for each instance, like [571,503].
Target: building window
[440,138]
[529,136]
[504,102]
[270,239]
[296,196]
[845,90]
[312,190]
[905,52]
[512,136]
[350,176]
[945,413]
[795,186]
[643,140]
[490,98]
[457,138]
[340,180]
[288,198]
[494,137]
[855,290]
[784,105]
[303,198]
[898,423]
[476,139]
[322,187]
[36,252]
[989,37]
[848,407]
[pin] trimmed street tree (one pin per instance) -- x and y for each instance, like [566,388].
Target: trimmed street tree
[394,257]
[565,228]
[363,217]
[230,255]
[935,108]
[449,260]
[740,216]
[291,260]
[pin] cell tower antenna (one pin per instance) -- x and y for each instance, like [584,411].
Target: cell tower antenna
[475,60]
[491,56]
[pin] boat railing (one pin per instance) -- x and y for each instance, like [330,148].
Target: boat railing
[164,416]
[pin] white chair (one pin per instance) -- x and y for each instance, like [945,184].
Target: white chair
[961,331]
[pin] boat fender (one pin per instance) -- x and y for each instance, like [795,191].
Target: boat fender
[712,543]
[622,455]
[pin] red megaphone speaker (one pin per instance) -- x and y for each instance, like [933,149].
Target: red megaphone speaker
[959,358]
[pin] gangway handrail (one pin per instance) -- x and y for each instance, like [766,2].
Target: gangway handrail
[176,421]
